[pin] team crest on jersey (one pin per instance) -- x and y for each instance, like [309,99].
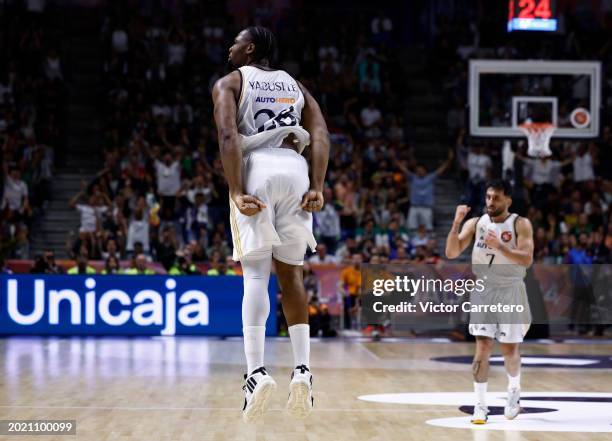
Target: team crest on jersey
[506,236]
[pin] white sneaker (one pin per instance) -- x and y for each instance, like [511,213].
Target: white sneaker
[480,414]
[258,388]
[300,401]
[513,404]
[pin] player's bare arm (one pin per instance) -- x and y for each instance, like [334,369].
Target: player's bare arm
[314,123]
[523,253]
[460,237]
[225,92]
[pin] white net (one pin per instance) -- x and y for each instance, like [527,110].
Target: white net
[538,137]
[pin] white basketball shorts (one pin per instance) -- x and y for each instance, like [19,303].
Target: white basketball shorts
[503,333]
[504,327]
[279,178]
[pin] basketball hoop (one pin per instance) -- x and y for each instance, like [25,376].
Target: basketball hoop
[538,137]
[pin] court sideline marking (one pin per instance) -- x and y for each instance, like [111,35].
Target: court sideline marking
[221,409]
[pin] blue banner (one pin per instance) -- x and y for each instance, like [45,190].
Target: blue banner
[125,305]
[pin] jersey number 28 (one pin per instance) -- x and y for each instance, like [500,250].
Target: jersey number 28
[284,118]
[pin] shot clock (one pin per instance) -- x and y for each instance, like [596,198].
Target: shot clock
[532,15]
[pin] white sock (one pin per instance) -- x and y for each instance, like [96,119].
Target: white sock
[481,393]
[514,382]
[254,339]
[255,310]
[300,342]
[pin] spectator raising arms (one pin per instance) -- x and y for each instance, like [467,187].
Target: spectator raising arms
[422,192]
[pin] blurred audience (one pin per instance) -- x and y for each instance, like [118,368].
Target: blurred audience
[161,197]
[32,115]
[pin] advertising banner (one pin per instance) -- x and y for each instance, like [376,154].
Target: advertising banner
[124,305]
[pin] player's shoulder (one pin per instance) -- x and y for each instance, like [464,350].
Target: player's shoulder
[522,223]
[518,219]
[303,88]
[473,221]
[229,81]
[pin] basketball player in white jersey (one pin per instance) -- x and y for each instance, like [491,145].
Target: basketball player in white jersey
[503,250]
[265,119]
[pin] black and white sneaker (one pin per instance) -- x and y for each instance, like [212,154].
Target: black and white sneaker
[258,388]
[300,401]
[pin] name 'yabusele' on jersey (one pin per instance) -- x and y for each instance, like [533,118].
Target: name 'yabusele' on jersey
[277,86]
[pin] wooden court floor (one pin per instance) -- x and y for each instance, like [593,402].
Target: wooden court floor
[187,388]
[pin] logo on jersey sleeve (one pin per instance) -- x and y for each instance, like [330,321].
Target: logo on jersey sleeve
[506,236]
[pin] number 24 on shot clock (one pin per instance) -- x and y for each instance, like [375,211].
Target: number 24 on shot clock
[532,15]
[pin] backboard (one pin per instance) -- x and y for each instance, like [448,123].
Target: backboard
[504,94]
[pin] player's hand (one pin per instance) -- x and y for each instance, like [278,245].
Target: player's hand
[492,241]
[247,204]
[461,212]
[312,201]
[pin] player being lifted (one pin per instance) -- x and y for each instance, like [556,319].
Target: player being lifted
[502,252]
[265,119]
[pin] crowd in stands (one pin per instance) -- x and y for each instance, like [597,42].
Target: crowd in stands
[32,102]
[161,195]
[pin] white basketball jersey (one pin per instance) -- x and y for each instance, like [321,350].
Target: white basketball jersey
[484,257]
[269,99]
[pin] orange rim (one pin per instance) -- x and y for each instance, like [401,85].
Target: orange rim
[536,126]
